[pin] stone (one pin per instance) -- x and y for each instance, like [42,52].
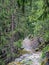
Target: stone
[31,44]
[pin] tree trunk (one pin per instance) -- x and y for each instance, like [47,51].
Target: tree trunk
[12,36]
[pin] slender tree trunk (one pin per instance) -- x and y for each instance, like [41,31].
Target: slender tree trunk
[12,40]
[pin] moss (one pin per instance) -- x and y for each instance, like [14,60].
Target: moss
[24,52]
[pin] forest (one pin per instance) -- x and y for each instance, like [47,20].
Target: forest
[24,32]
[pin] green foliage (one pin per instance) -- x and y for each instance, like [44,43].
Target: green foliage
[39,18]
[41,29]
[2,62]
[44,51]
[18,43]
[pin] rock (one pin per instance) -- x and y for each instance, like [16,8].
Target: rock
[28,59]
[21,58]
[35,43]
[26,44]
[47,54]
[31,44]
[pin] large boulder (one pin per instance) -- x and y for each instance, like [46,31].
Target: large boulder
[30,44]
